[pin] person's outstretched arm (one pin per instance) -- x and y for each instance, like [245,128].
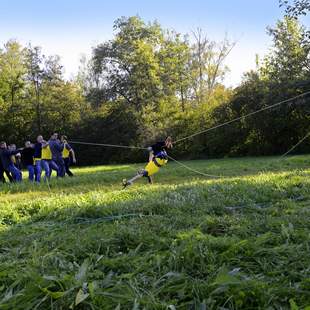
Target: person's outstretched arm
[73,155]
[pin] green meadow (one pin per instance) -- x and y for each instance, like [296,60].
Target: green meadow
[186,242]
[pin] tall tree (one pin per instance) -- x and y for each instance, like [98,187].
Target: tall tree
[42,71]
[127,66]
[208,64]
[289,59]
[12,70]
[174,57]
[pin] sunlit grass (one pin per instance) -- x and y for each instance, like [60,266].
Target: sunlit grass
[186,242]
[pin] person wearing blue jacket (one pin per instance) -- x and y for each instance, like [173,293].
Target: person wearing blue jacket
[7,162]
[56,147]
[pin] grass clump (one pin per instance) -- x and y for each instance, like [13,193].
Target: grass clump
[187,242]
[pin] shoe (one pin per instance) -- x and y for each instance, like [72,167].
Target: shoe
[126,183]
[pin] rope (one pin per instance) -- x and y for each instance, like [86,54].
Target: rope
[216,176]
[109,145]
[242,117]
[196,171]
[294,147]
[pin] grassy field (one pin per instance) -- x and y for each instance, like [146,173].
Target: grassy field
[186,242]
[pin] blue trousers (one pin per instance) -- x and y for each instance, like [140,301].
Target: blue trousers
[52,165]
[37,170]
[61,167]
[16,174]
[31,172]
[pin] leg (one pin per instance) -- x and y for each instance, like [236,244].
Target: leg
[61,167]
[140,174]
[53,166]
[67,166]
[38,170]
[2,179]
[46,168]
[30,169]
[17,175]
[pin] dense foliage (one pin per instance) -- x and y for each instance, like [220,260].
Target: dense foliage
[148,82]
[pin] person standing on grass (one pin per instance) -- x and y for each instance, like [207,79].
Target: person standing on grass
[2,171]
[47,162]
[56,147]
[27,158]
[7,163]
[37,158]
[15,158]
[67,151]
[158,157]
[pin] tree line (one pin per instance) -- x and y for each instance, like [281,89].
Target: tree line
[148,82]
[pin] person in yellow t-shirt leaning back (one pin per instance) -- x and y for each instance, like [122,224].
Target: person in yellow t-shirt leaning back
[67,151]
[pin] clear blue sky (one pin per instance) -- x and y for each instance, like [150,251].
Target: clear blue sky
[70,28]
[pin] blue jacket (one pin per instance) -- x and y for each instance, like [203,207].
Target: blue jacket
[56,148]
[5,157]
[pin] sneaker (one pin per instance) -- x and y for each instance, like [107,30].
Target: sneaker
[126,183]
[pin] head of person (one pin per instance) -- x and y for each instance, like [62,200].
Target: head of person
[12,147]
[27,144]
[54,136]
[168,142]
[64,138]
[3,145]
[39,139]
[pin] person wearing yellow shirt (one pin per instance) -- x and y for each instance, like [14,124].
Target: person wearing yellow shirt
[67,151]
[46,161]
[158,158]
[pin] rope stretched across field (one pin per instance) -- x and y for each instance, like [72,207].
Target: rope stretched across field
[242,117]
[207,130]
[217,176]
[199,132]
[109,145]
[294,147]
[196,171]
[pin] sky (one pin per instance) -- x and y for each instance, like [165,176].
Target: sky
[70,28]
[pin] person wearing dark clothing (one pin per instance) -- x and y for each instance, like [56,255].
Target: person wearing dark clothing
[27,157]
[158,157]
[67,151]
[2,171]
[7,163]
[56,148]
[15,158]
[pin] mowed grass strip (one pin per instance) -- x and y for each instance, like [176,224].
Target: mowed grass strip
[186,242]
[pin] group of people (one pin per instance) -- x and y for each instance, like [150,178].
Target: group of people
[55,154]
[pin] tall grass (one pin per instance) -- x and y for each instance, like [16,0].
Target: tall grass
[186,242]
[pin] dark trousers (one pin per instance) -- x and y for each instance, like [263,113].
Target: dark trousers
[67,166]
[2,178]
[61,166]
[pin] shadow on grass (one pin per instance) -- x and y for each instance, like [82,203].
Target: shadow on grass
[158,245]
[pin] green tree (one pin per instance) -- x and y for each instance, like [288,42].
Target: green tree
[208,64]
[12,89]
[289,58]
[127,66]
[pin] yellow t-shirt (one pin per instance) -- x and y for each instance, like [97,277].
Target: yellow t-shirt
[65,153]
[46,153]
[151,168]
